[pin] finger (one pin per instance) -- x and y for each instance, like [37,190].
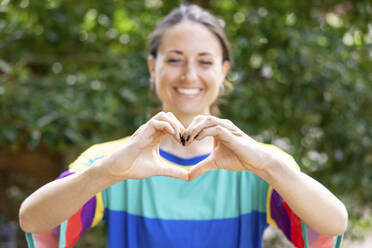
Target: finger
[172,120]
[176,122]
[211,121]
[162,116]
[173,171]
[199,122]
[201,168]
[162,126]
[179,126]
[219,132]
[191,127]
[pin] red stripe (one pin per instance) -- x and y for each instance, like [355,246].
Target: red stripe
[74,228]
[323,242]
[296,228]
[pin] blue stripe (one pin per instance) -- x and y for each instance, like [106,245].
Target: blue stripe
[182,161]
[127,230]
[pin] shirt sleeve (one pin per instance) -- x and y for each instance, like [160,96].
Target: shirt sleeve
[280,215]
[69,231]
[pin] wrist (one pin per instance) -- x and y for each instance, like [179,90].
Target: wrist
[99,173]
[113,167]
[278,166]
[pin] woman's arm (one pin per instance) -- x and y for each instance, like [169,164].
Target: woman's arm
[309,199]
[58,200]
[137,158]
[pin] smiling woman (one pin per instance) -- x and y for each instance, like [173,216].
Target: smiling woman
[188,70]
[195,17]
[201,181]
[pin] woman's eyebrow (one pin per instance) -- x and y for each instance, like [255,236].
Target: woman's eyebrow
[181,53]
[205,54]
[175,51]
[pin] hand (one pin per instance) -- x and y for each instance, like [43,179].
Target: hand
[233,149]
[139,157]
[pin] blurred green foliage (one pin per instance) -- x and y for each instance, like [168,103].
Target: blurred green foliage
[73,73]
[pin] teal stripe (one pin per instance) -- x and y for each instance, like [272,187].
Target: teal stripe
[337,241]
[91,161]
[30,240]
[305,234]
[62,234]
[231,193]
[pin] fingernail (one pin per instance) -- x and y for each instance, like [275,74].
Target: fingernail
[196,136]
[188,138]
[182,140]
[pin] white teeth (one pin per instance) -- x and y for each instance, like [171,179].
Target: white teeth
[188,91]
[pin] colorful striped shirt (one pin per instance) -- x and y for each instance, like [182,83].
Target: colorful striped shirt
[218,209]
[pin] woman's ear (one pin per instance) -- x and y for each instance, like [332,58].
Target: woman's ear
[151,65]
[225,67]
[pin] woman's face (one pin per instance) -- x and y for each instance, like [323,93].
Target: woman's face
[188,70]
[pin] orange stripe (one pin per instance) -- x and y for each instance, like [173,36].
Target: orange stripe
[74,228]
[323,242]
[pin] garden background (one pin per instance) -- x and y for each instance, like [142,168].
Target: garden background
[73,73]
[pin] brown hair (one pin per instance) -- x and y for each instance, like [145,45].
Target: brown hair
[196,14]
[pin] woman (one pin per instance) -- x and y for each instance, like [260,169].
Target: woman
[181,199]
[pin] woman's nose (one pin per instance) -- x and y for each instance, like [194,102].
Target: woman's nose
[191,73]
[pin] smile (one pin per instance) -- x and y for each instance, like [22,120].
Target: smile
[188,91]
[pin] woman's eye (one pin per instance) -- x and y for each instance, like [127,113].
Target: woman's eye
[173,60]
[204,62]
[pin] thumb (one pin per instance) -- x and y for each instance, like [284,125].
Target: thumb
[202,167]
[173,171]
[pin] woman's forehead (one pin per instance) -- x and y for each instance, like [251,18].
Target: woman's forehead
[190,37]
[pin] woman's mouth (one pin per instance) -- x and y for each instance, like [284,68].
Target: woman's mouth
[189,92]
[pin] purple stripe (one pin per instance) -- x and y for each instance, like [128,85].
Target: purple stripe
[88,209]
[87,213]
[55,232]
[65,174]
[312,235]
[279,214]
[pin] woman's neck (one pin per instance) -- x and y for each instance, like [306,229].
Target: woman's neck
[196,148]
[185,120]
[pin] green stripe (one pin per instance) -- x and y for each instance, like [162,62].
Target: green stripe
[215,194]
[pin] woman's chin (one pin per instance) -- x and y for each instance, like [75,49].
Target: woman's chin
[195,113]
[185,108]
[190,111]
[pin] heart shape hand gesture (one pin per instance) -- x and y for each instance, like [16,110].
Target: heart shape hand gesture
[139,156]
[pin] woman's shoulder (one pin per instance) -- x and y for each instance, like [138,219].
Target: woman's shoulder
[96,152]
[106,147]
